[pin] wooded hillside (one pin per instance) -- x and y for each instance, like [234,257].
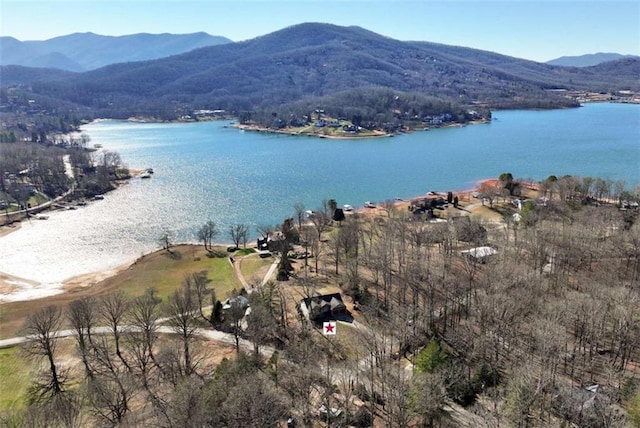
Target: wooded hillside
[542,330]
[316,60]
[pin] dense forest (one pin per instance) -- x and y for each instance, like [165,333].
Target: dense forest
[543,331]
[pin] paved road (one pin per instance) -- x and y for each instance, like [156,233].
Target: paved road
[209,334]
[214,335]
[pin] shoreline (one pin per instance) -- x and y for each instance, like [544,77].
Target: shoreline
[354,136]
[260,129]
[20,289]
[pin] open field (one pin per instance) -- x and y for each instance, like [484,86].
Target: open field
[160,270]
[16,376]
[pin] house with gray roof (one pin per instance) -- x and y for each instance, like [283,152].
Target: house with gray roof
[323,307]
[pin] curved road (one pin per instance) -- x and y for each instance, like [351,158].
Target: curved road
[209,334]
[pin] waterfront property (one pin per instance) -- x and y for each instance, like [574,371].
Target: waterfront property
[213,175]
[323,307]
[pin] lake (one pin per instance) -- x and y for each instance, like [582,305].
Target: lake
[210,170]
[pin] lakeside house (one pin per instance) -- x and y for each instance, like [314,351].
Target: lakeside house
[350,129]
[273,243]
[240,302]
[323,307]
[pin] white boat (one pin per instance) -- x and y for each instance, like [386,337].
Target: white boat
[145,175]
[347,207]
[369,205]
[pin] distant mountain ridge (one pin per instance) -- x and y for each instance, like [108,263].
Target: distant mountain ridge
[89,51]
[588,60]
[314,61]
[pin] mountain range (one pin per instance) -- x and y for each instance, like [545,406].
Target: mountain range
[588,60]
[88,51]
[315,61]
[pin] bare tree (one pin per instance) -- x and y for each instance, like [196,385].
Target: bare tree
[186,408]
[253,403]
[299,213]
[261,325]
[41,328]
[428,397]
[113,309]
[142,345]
[82,316]
[144,313]
[166,240]
[523,392]
[265,230]
[181,309]
[308,238]
[199,283]
[62,410]
[112,387]
[238,233]
[488,190]
[235,315]
[321,219]
[207,233]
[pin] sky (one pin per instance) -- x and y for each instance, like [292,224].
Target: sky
[538,30]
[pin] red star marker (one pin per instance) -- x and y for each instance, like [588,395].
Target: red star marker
[329,327]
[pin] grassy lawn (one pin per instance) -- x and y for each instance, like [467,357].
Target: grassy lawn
[331,131]
[487,213]
[255,267]
[166,271]
[160,270]
[244,252]
[37,199]
[15,375]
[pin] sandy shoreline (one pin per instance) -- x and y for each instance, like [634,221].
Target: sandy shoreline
[7,229]
[13,288]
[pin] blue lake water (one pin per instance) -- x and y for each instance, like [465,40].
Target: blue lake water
[210,170]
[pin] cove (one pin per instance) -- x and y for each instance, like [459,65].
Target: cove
[210,170]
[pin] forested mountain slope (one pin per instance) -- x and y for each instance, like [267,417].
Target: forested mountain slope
[319,60]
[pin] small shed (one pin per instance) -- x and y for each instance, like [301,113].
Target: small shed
[479,254]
